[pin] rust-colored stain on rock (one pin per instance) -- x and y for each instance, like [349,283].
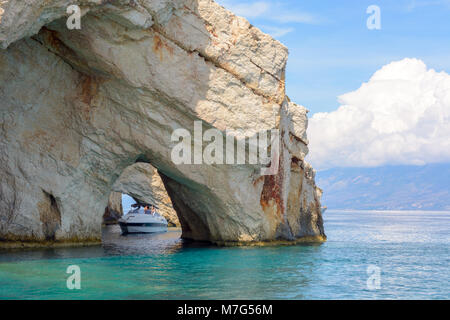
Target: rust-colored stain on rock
[159,45]
[89,88]
[38,138]
[51,40]
[272,192]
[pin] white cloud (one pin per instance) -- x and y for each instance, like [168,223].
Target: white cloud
[275,11]
[248,10]
[277,32]
[400,116]
[295,17]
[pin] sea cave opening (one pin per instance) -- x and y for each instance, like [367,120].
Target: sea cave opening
[140,187]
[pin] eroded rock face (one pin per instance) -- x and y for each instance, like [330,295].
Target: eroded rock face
[78,107]
[142,182]
[114,210]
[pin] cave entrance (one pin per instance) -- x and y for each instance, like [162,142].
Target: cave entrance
[139,183]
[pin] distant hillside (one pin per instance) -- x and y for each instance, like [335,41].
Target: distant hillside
[387,188]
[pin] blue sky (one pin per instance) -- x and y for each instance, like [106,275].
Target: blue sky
[331,49]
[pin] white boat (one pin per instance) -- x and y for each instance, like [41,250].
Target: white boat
[140,220]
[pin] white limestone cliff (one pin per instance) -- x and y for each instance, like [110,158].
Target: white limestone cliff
[77,107]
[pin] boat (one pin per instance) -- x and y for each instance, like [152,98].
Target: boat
[140,219]
[323,209]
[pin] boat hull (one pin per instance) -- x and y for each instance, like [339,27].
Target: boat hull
[140,221]
[128,228]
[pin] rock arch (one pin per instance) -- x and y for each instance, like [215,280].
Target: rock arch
[142,182]
[80,106]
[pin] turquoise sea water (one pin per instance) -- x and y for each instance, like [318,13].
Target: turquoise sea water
[411,250]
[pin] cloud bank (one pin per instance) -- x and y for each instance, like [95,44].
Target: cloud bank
[400,116]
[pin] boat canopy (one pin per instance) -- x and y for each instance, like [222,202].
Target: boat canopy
[141,205]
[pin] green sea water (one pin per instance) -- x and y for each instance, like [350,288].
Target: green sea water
[409,249]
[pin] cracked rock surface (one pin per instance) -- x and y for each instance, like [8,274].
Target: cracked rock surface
[78,107]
